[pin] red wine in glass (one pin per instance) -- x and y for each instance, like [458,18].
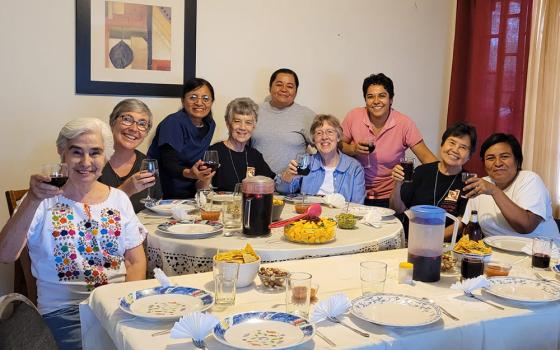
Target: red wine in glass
[211,160]
[58,181]
[151,166]
[371,147]
[58,172]
[212,165]
[303,164]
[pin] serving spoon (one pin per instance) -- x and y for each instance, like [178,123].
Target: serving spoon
[313,210]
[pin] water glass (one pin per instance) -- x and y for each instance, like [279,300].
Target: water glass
[542,250]
[373,275]
[225,279]
[472,267]
[464,177]
[298,293]
[408,168]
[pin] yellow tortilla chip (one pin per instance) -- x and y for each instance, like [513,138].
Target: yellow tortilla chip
[245,255]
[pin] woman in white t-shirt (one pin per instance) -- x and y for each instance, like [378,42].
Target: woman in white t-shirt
[509,201]
[80,236]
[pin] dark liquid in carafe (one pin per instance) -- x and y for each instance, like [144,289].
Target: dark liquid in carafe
[425,268]
[257,214]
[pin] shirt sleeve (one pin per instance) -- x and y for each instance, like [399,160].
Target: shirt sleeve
[170,133]
[532,195]
[359,190]
[37,222]
[412,135]
[133,230]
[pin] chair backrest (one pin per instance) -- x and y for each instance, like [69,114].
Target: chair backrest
[24,282]
[21,325]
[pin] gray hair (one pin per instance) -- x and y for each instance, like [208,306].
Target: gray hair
[80,126]
[130,105]
[326,118]
[242,106]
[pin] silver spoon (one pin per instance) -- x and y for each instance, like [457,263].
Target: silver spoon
[442,309]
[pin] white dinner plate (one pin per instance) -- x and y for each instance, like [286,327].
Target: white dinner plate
[395,310]
[508,243]
[166,303]
[164,206]
[191,229]
[308,199]
[264,330]
[523,289]
[361,210]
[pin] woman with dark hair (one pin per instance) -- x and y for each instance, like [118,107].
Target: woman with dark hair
[284,123]
[238,158]
[181,140]
[438,183]
[390,132]
[130,121]
[509,201]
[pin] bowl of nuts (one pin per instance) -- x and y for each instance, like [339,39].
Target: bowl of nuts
[272,277]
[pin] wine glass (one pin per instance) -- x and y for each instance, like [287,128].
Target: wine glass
[151,166]
[211,160]
[371,147]
[58,172]
[303,163]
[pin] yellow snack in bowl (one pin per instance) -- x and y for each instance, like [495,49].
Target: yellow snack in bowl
[311,230]
[241,256]
[467,246]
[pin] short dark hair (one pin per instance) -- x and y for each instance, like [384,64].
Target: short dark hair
[379,79]
[505,138]
[460,130]
[285,71]
[195,83]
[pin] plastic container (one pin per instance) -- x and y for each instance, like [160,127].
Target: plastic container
[405,272]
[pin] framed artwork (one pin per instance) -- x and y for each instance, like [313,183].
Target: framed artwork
[135,47]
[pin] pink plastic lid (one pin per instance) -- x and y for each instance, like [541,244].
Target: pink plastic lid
[258,185]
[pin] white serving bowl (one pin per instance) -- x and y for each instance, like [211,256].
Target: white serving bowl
[459,256]
[247,273]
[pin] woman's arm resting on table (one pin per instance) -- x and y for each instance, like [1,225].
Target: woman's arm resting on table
[135,262]
[423,153]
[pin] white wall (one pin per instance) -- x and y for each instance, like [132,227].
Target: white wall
[331,44]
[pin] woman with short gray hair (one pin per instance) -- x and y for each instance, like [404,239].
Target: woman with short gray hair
[237,158]
[131,121]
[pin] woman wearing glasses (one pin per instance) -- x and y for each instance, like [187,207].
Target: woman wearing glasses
[331,171]
[181,140]
[130,122]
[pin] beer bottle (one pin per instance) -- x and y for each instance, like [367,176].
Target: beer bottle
[473,228]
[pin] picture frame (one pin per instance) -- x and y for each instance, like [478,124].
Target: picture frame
[94,77]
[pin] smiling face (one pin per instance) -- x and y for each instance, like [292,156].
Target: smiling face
[283,90]
[378,102]
[85,157]
[129,137]
[241,127]
[454,152]
[500,164]
[198,102]
[326,138]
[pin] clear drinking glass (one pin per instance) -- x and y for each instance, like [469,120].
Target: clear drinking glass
[373,275]
[211,160]
[371,147]
[231,210]
[225,279]
[542,250]
[298,293]
[151,166]
[464,177]
[407,164]
[303,163]
[58,172]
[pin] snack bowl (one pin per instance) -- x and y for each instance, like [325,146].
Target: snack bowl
[277,208]
[301,208]
[273,277]
[247,272]
[346,221]
[496,268]
[311,230]
[210,215]
[459,256]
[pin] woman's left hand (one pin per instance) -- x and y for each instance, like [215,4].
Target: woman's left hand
[138,182]
[476,186]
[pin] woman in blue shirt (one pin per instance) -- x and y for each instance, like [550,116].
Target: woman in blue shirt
[331,171]
[181,140]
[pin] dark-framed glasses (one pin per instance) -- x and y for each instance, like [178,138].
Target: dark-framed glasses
[194,98]
[129,120]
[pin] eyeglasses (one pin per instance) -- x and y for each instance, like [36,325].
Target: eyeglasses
[205,98]
[129,120]
[328,132]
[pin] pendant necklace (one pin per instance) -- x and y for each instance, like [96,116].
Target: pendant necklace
[233,163]
[446,191]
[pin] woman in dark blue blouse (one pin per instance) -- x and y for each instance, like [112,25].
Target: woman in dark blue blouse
[181,140]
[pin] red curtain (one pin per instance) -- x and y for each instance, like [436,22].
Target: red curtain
[489,69]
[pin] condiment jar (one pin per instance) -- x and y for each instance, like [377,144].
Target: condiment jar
[405,272]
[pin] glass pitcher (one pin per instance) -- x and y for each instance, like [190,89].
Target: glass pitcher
[257,205]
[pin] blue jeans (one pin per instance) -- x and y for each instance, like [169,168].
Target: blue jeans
[65,327]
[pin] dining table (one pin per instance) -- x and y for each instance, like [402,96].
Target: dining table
[518,325]
[178,256]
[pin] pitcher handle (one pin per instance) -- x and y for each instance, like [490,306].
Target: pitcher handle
[247,213]
[455,229]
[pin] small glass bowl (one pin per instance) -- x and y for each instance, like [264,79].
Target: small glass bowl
[301,208]
[496,268]
[272,277]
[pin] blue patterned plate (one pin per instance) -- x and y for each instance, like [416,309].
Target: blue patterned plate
[523,289]
[264,330]
[163,206]
[395,310]
[191,229]
[556,268]
[166,303]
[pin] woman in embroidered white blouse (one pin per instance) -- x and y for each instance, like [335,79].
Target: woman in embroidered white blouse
[80,236]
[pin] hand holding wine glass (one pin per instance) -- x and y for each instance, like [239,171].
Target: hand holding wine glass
[150,166]
[211,160]
[57,172]
[367,147]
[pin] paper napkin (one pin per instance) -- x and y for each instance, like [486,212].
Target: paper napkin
[334,306]
[372,217]
[196,325]
[335,200]
[471,284]
[162,278]
[528,249]
[181,212]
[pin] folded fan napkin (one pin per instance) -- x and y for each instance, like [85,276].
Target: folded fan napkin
[162,278]
[334,306]
[471,284]
[372,217]
[528,249]
[335,200]
[196,325]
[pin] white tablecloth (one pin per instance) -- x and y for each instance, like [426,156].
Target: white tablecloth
[480,327]
[177,256]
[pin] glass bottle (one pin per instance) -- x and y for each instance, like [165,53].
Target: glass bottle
[473,228]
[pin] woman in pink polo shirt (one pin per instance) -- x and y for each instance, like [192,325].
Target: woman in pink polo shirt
[390,131]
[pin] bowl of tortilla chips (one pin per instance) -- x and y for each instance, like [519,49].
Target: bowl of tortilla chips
[249,263]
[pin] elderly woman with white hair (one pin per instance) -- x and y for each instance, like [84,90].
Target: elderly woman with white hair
[237,158]
[80,236]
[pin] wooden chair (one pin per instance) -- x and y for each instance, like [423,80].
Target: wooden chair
[24,282]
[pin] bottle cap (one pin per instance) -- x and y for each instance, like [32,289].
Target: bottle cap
[406,265]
